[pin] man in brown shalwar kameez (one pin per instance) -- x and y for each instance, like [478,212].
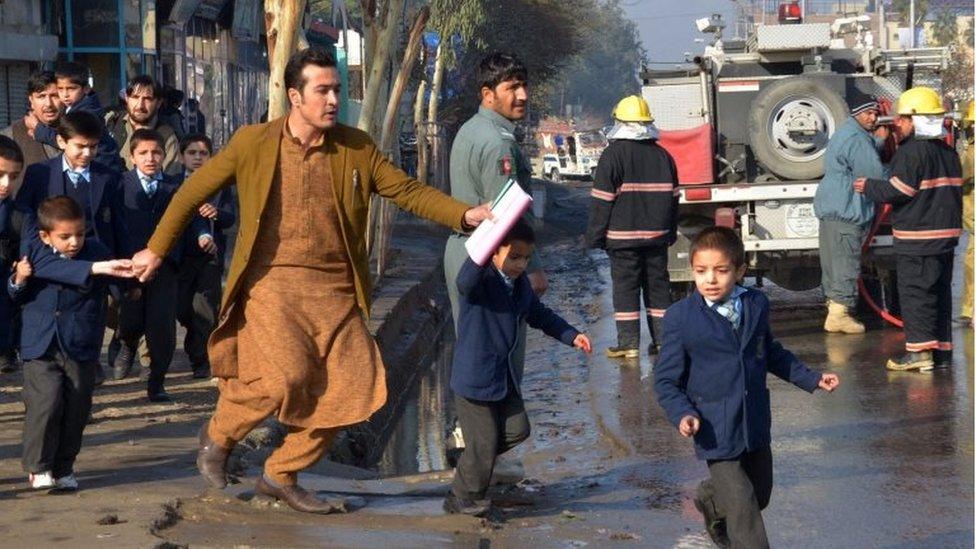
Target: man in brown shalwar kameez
[292,338]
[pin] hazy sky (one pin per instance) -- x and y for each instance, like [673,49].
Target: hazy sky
[667,27]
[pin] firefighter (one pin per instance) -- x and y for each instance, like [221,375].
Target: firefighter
[633,216]
[966,156]
[925,191]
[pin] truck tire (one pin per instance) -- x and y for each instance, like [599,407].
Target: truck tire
[806,102]
[554,176]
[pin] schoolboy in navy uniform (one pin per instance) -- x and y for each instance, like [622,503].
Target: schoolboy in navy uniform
[495,299]
[710,378]
[204,248]
[73,173]
[61,339]
[149,309]
[11,164]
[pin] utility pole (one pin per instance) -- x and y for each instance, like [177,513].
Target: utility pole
[882,27]
[911,23]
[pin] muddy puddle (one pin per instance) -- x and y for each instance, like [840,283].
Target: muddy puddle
[419,441]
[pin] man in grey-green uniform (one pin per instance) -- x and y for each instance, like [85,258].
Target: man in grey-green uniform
[485,155]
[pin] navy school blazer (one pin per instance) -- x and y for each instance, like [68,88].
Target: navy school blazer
[141,214]
[488,325]
[63,300]
[46,179]
[709,370]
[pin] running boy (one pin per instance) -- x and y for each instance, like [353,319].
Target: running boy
[150,309]
[494,299]
[11,164]
[711,381]
[204,246]
[61,339]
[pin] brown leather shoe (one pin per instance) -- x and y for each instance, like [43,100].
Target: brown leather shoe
[212,460]
[298,498]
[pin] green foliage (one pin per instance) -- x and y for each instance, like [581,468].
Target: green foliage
[463,19]
[545,34]
[902,8]
[945,28]
[606,69]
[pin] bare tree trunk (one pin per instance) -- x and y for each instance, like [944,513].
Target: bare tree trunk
[435,88]
[420,130]
[385,39]
[410,55]
[282,20]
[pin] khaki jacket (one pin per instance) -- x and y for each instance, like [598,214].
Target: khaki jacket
[250,160]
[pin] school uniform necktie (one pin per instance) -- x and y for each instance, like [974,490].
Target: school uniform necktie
[149,184]
[76,178]
[727,309]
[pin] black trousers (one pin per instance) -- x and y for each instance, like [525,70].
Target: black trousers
[490,429]
[198,304]
[635,273]
[57,397]
[737,491]
[925,290]
[153,315]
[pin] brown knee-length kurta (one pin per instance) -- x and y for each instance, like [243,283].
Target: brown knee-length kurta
[302,337]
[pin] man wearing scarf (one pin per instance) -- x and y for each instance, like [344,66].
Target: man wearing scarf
[634,217]
[925,191]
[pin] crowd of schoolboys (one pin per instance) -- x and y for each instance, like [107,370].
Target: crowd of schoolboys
[68,217]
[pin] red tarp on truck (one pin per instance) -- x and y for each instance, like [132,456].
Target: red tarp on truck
[692,152]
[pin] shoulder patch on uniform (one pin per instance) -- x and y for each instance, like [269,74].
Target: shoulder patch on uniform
[505,165]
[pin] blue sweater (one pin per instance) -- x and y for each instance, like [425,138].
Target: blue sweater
[851,153]
[716,373]
[488,325]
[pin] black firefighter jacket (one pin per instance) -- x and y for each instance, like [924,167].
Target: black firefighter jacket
[634,198]
[925,191]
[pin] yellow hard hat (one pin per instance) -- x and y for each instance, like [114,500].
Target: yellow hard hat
[633,108]
[920,100]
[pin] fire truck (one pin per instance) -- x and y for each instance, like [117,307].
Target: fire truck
[748,126]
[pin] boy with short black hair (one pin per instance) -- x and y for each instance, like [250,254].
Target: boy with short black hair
[204,246]
[61,340]
[495,299]
[710,378]
[11,164]
[149,309]
[77,96]
[73,173]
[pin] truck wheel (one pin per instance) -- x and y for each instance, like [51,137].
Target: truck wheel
[554,176]
[790,123]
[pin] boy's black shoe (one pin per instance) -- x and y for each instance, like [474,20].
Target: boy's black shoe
[714,526]
[462,506]
[623,351]
[160,396]
[921,361]
[99,374]
[201,371]
[122,364]
[942,359]
[8,363]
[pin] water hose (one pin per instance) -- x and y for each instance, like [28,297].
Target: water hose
[865,247]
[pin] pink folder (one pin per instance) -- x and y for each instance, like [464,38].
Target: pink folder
[507,208]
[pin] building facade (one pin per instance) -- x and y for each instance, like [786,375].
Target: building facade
[210,50]
[25,45]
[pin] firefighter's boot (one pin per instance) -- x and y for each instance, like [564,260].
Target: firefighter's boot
[840,320]
[657,336]
[921,361]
